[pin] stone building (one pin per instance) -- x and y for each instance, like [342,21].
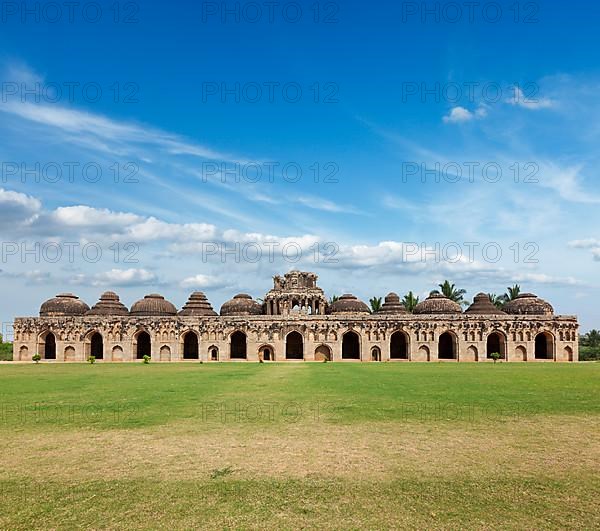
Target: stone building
[296,322]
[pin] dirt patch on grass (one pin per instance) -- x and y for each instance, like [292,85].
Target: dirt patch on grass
[544,446]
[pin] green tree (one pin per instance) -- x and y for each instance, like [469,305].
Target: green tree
[410,301]
[375,303]
[497,300]
[453,293]
[592,339]
[334,298]
[512,293]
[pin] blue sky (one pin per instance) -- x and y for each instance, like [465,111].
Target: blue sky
[372,99]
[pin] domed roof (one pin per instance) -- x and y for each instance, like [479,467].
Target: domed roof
[65,304]
[528,304]
[241,304]
[153,305]
[109,304]
[348,304]
[197,304]
[392,305]
[482,305]
[437,303]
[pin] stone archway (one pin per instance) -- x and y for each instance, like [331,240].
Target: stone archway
[447,347]
[165,353]
[266,353]
[117,353]
[322,353]
[544,346]
[238,346]
[568,353]
[213,353]
[472,354]
[143,345]
[496,342]
[399,346]
[49,346]
[351,346]
[520,353]
[97,346]
[191,346]
[294,346]
[375,354]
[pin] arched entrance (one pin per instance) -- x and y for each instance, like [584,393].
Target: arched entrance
[351,346]
[294,346]
[544,346]
[238,346]
[214,354]
[97,346]
[143,346]
[399,346]
[447,347]
[568,354]
[191,350]
[322,353]
[50,346]
[496,343]
[266,353]
[375,354]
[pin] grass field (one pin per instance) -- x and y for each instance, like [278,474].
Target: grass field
[290,446]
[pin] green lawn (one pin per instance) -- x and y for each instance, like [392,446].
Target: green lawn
[336,445]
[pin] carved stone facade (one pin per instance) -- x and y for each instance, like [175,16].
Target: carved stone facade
[68,331]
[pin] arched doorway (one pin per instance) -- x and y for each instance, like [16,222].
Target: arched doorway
[294,346]
[144,346]
[214,354]
[266,353]
[375,354]
[520,353]
[399,346]
[350,346]
[495,343]
[97,346]
[322,353]
[568,354]
[50,346]
[191,350]
[238,346]
[544,346]
[447,347]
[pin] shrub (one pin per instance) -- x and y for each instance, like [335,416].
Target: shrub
[147,359]
[495,356]
[92,360]
[36,358]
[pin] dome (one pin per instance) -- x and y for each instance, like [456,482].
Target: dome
[528,304]
[153,305]
[109,304]
[348,304]
[65,304]
[437,303]
[482,305]
[197,304]
[392,305]
[241,304]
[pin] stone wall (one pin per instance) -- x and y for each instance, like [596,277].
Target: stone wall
[323,335]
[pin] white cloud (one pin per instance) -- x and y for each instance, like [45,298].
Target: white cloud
[202,282]
[119,278]
[519,99]
[461,114]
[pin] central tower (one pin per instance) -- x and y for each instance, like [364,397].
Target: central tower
[295,292]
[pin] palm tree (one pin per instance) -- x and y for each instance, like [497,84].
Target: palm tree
[375,303]
[512,293]
[497,300]
[334,298]
[410,301]
[454,294]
